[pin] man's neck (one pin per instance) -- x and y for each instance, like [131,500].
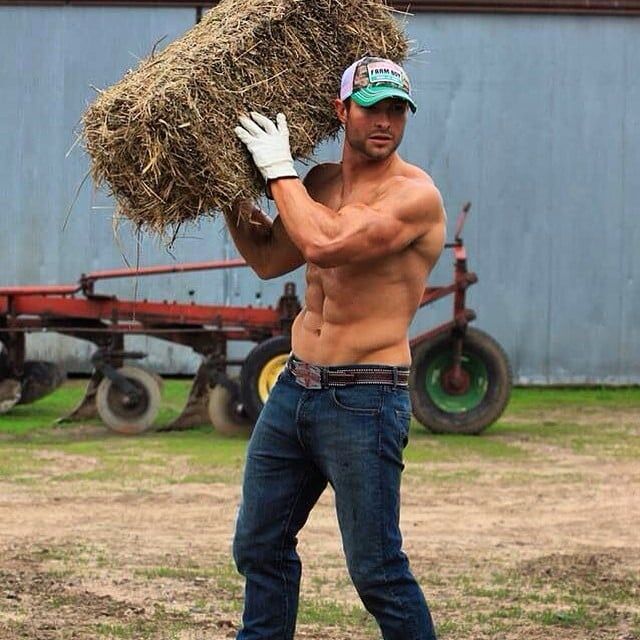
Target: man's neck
[356,168]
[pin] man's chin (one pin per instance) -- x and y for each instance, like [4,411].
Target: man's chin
[376,152]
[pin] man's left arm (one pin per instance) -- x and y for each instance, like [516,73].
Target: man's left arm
[407,210]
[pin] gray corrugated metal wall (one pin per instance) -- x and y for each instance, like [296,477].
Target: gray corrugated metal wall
[536,121]
[533,118]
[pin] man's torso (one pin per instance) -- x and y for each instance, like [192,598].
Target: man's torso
[360,312]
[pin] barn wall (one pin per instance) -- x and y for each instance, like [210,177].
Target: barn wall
[532,118]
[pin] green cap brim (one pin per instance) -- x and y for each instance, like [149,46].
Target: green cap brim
[368,96]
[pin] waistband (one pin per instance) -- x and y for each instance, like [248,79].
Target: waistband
[313,376]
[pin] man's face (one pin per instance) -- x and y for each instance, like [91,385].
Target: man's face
[374,131]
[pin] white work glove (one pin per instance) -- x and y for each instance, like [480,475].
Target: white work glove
[268,144]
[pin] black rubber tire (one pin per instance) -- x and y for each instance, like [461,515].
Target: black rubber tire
[223,412]
[10,388]
[129,420]
[4,362]
[481,346]
[39,379]
[252,368]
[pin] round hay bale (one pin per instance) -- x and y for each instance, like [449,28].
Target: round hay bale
[162,138]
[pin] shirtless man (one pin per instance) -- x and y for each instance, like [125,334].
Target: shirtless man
[369,229]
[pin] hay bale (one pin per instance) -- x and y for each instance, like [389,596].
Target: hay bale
[162,138]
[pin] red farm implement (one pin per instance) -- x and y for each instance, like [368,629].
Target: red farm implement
[127,397]
[460,378]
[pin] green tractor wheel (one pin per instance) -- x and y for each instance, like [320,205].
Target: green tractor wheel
[468,405]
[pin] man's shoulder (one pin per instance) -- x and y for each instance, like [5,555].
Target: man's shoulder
[413,172]
[321,174]
[416,190]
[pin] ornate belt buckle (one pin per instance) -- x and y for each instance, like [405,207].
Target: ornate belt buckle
[308,375]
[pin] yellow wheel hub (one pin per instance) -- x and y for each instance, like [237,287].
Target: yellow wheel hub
[269,375]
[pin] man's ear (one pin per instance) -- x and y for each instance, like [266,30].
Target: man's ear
[341,110]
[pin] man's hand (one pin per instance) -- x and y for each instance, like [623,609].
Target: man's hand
[268,144]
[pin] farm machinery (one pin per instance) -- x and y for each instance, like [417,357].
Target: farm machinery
[127,397]
[460,377]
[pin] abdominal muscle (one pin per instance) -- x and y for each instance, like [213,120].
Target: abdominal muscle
[340,345]
[356,317]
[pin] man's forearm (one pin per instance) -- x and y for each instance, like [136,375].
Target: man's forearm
[308,223]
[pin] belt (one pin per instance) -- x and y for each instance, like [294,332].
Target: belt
[312,376]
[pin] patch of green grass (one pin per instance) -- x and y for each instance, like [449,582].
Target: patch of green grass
[207,456]
[506,613]
[18,464]
[24,418]
[421,473]
[576,616]
[139,629]
[42,414]
[202,456]
[453,628]
[578,591]
[113,630]
[526,398]
[595,437]
[197,456]
[329,613]
[426,447]
[222,576]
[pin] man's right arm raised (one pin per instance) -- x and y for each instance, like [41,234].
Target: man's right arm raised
[263,243]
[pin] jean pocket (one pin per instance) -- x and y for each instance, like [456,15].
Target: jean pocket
[357,399]
[403,421]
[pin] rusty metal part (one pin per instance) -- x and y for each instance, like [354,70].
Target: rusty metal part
[86,409]
[79,311]
[195,412]
[455,380]
[207,329]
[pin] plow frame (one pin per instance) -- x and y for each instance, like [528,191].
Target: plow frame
[78,311]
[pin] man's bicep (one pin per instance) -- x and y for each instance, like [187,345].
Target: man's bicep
[406,216]
[370,232]
[400,219]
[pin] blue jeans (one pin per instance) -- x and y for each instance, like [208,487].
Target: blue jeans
[351,437]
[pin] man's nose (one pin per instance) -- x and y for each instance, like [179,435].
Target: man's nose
[383,121]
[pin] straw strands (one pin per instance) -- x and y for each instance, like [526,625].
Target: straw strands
[162,138]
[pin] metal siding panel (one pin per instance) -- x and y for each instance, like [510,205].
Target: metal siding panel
[30,90]
[586,178]
[56,54]
[117,38]
[524,117]
[477,118]
[629,277]
[533,119]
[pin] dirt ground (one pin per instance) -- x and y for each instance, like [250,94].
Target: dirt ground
[495,543]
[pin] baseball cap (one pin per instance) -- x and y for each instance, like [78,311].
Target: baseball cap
[372,79]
